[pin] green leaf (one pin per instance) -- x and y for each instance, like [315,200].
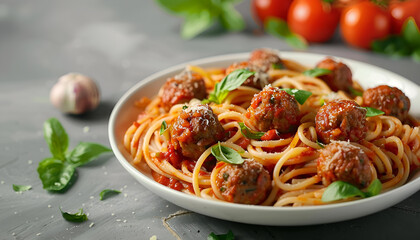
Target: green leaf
[393,45]
[183,7]
[416,55]
[227,236]
[230,18]
[374,188]
[279,28]
[74,217]
[411,33]
[355,92]
[55,174]
[248,133]
[21,188]
[196,23]
[56,138]
[108,193]
[340,190]
[316,72]
[300,95]
[371,112]
[229,83]
[226,154]
[320,144]
[278,66]
[85,152]
[183,108]
[164,125]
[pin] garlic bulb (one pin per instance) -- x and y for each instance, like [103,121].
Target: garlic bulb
[75,93]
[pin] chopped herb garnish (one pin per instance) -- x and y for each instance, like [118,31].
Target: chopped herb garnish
[320,144]
[76,217]
[355,92]
[184,107]
[226,154]
[227,236]
[21,188]
[316,72]
[248,133]
[278,66]
[371,112]
[108,193]
[163,127]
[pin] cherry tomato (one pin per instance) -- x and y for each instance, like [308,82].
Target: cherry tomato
[264,9]
[400,11]
[364,22]
[315,20]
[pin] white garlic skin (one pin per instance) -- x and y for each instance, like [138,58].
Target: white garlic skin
[75,93]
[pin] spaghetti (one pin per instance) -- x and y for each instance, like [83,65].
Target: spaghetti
[281,168]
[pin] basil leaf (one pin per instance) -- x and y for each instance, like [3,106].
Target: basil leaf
[164,126]
[226,154]
[340,190]
[196,23]
[355,92]
[316,72]
[76,217]
[300,95]
[416,55]
[183,108]
[371,112]
[227,236]
[393,45]
[229,83]
[279,28]
[56,138]
[411,33]
[320,144]
[108,193]
[21,188]
[248,133]
[278,66]
[230,18]
[85,152]
[55,174]
[374,188]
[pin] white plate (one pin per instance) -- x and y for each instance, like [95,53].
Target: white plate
[125,113]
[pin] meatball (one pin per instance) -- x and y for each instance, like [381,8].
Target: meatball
[182,88]
[340,77]
[273,108]
[258,80]
[391,100]
[246,183]
[341,119]
[264,59]
[341,161]
[195,129]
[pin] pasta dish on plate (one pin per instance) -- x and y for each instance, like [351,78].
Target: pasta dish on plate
[271,131]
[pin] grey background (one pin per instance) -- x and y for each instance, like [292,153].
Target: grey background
[118,43]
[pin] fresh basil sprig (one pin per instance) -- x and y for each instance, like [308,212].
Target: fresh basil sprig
[74,217]
[248,133]
[163,127]
[341,190]
[371,112]
[229,83]
[227,236]
[21,188]
[279,28]
[226,154]
[201,15]
[56,172]
[108,193]
[316,72]
[405,44]
[300,95]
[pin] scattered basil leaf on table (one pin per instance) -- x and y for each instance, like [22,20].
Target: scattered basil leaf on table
[74,217]
[405,44]
[316,72]
[227,236]
[339,190]
[279,28]
[108,193]
[57,171]
[226,154]
[163,127]
[300,95]
[371,112]
[248,133]
[21,188]
[201,15]
[229,83]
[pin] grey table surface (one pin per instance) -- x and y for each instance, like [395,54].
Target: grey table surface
[119,43]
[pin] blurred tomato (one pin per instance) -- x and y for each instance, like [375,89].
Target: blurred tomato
[364,22]
[315,20]
[400,11]
[264,9]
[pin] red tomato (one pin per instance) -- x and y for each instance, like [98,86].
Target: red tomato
[314,20]
[264,9]
[364,22]
[400,11]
